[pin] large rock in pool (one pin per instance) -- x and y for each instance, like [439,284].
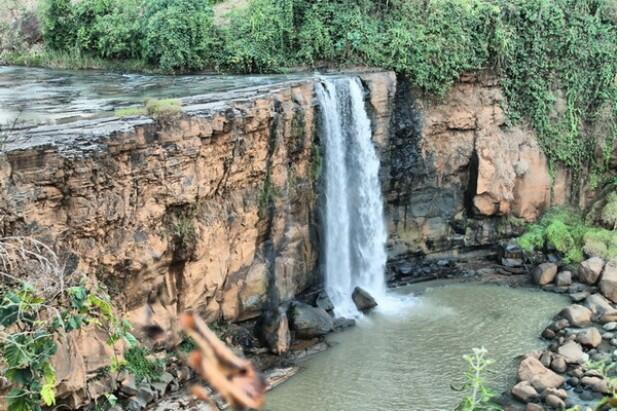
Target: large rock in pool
[608,282]
[363,300]
[309,322]
[590,270]
[544,273]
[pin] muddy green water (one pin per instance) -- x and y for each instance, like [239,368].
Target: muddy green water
[408,360]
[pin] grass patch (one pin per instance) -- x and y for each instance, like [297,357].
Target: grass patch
[161,109]
[130,112]
[164,109]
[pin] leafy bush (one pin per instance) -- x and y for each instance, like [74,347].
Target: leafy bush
[171,35]
[179,34]
[566,232]
[139,363]
[555,57]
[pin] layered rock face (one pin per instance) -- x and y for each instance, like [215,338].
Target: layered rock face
[215,211]
[211,212]
[456,168]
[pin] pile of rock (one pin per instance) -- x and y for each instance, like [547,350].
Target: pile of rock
[307,321]
[559,377]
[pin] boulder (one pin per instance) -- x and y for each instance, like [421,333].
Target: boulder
[601,309]
[572,352]
[577,315]
[544,273]
[525,392]
[608,281]
[309,322]
[589,337]
[275,330]
[340,323]
[596,384]
[532,370]
[363,300]
[590,270]
[324,302]
[564,279]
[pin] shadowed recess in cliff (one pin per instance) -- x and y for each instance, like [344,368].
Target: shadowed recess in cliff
[355,233]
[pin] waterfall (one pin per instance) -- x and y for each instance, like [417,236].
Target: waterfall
[355,232]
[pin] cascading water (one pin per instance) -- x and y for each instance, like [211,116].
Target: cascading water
[355,233]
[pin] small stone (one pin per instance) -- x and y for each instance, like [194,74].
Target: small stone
[559,364]
[531,406]
[577,372]
[613,342]
[578,297]
[548,334]
[610,326]
[561,324]
[544,273]
[564,279]
[525,392]
[589,337]
[555,402]
[561,393]
[545,359]
[608,336]
[574,381]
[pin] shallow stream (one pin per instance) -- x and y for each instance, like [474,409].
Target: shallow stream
[409,360]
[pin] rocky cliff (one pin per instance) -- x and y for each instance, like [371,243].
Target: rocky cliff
[217,210]
[459,175]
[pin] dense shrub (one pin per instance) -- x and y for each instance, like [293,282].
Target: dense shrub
[556,57]
[171,35]
[179,34]
[566,233]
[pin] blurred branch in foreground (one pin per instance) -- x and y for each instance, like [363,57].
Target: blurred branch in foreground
[234,378]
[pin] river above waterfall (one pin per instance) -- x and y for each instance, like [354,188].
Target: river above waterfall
[409,361]
[33,96]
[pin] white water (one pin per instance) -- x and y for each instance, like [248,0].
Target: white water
[355,232]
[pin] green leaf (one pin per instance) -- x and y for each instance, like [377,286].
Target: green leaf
[48,394]
[15,354]
[19,400]
[21,376]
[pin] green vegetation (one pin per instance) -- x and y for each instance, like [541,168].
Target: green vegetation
[139,362]
[480,396]
[130,112]
[566,232]
[163,109]
[157,109]
[555,57]
[32,324]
